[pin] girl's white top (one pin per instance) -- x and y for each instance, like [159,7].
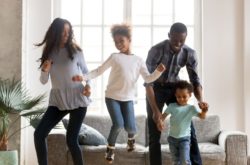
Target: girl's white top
[65,93]
[125,71]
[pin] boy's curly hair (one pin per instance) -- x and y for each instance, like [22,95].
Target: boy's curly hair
[182,84]
[121,29]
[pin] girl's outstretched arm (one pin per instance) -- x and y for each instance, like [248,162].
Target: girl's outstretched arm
[154,76]
[96,72]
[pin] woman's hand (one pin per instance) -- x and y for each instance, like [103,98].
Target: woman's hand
[46,65]
[77,78]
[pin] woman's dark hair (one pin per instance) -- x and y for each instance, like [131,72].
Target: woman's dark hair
[178,28]
[182,84]
[53,37]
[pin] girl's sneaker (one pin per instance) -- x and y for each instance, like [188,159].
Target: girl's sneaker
[131,144]
[109,155]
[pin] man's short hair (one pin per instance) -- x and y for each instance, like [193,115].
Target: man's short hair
[178,27]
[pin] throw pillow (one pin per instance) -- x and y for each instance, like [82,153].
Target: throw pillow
[35,121]
[88,135]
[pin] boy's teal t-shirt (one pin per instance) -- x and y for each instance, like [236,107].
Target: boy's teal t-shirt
[180,119]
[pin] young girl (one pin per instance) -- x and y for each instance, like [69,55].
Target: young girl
[180,122]
[119,95]
[61,59]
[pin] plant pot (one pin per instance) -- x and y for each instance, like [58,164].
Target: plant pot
[8,157]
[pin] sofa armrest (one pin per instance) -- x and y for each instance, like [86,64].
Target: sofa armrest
[235,146]
[57,147]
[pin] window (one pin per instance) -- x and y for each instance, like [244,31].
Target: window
[151,21]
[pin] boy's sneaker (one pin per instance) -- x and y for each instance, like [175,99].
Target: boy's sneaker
[109,155]
[131,144]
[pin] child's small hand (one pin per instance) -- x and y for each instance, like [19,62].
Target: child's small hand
[203,106]
[46,65]
[156,116]
[87,91]
[161,67]
[77,78]
[204,110]
[160,125]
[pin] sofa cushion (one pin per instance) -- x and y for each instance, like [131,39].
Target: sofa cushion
[104,125]
[208,129]
[212,154]
[212,151]
[88,135]
[34,123]
[94,155]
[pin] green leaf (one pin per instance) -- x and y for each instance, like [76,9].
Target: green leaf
[15,98]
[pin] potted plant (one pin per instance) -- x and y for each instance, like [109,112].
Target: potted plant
[15,99]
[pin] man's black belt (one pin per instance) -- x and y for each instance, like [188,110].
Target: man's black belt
[164,84]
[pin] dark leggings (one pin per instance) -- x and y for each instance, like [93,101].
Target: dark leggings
[51,117]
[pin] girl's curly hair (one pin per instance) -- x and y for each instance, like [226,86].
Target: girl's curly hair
[121,29]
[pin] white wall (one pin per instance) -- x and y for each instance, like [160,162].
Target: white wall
[36,19]
[247,68]
[226,62]
[223,60]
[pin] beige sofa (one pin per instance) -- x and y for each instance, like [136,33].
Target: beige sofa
[217,147]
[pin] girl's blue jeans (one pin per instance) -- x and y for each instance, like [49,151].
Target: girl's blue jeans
[122,116]
[51,117]
[180,149]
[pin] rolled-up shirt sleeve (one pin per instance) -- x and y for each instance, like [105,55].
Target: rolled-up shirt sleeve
[191,66]
[44,77]
[152,62]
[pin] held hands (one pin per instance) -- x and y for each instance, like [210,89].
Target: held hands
[160,125]
[46,65]
[203,106]
[161,67]
[157,117]
[77,78]
[86,90]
